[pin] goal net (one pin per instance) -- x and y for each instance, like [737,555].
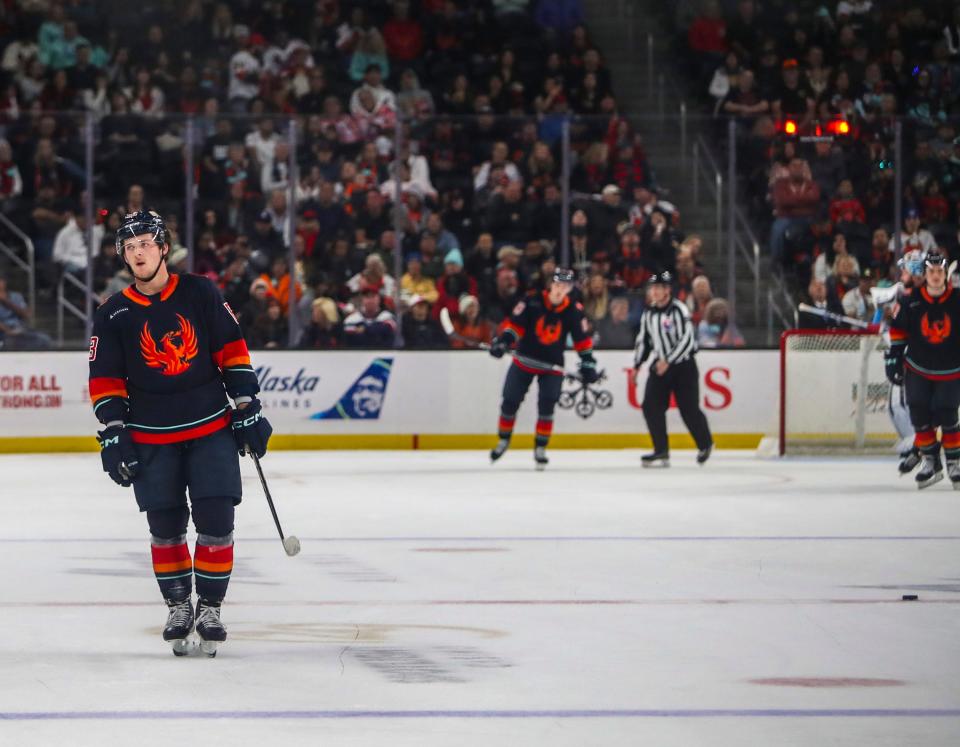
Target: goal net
[833,393]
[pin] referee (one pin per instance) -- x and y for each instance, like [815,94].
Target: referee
[667,334]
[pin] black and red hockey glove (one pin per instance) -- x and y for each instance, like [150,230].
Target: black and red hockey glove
[588,369]
[118,454]
[250,429]
[499,346]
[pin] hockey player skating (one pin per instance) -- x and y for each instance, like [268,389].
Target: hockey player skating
[538,326]
[164,355]
[924,356]
[667,334]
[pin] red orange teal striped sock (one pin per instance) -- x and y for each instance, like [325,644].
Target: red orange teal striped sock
[213,564]
[172,567]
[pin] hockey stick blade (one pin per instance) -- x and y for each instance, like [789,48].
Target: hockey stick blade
[291,545]
[446,322]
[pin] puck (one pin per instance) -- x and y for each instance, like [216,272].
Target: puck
[909,597]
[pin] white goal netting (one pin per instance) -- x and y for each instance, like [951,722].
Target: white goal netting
[833,393]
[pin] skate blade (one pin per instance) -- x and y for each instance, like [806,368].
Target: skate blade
[658,464]
[183,647]
[930,481]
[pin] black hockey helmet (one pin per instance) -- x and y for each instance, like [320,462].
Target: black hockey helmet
[139,223]
[935,258]
[564,275]
[661,278]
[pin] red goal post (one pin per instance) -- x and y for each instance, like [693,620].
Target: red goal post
[833,393]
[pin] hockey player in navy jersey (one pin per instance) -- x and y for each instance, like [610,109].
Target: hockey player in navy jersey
[539,326]
[165,355]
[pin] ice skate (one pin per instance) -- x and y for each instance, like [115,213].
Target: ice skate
[931,471]
[498,451]
[179,626]
[704,454]
[209,627]
[953,472]
[540,457]
[660,459]
[909,459]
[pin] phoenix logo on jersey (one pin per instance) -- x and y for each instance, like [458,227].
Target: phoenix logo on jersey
[935,332]
[548,333]
[175,351]
[363,400]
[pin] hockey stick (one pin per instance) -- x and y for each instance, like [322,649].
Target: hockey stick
[831,317]
[291,544]
[447,323]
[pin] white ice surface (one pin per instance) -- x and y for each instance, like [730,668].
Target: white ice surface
[442,601]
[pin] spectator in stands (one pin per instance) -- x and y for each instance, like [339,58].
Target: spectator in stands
[414,283]
[413,101]
[559,16]
[707,38]
[279,282]
[724,79]
[506,294]
[269,330]
[606,216]
[717,329]
[658,242]
[845,206]
[453,284]
[370,54]
[374,275]
[256,304]
[701,294]
[403,35]
[15,334]
[742,100]
[615,330]
[470,325]
[420,330]
[70,246]
[11,183]
[369,326]
[687,270]
[633,267]
[857,302]
[382,99]
[324,330]
[795,200]
[913,236]
[596,298]
[845,277]
[245,70]
[794,101]
[825,265]
[817,296]
[510,216]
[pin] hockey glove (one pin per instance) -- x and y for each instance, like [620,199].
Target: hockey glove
[588,369]
[893,363]
[498,347]
[250,429]
[118,454]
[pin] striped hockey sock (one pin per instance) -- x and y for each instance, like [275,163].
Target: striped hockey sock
[951,441]
[212,564]
[172,567]
[505,426]
[544,430]
[926,440]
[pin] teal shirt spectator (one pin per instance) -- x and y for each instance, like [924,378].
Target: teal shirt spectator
[362,60]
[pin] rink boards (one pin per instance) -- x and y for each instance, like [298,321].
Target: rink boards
[407,400]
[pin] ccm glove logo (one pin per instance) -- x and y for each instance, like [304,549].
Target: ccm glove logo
[247,422]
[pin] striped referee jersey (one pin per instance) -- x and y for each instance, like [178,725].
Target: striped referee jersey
[667,333]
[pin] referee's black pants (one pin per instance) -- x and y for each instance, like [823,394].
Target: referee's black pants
[683,381]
